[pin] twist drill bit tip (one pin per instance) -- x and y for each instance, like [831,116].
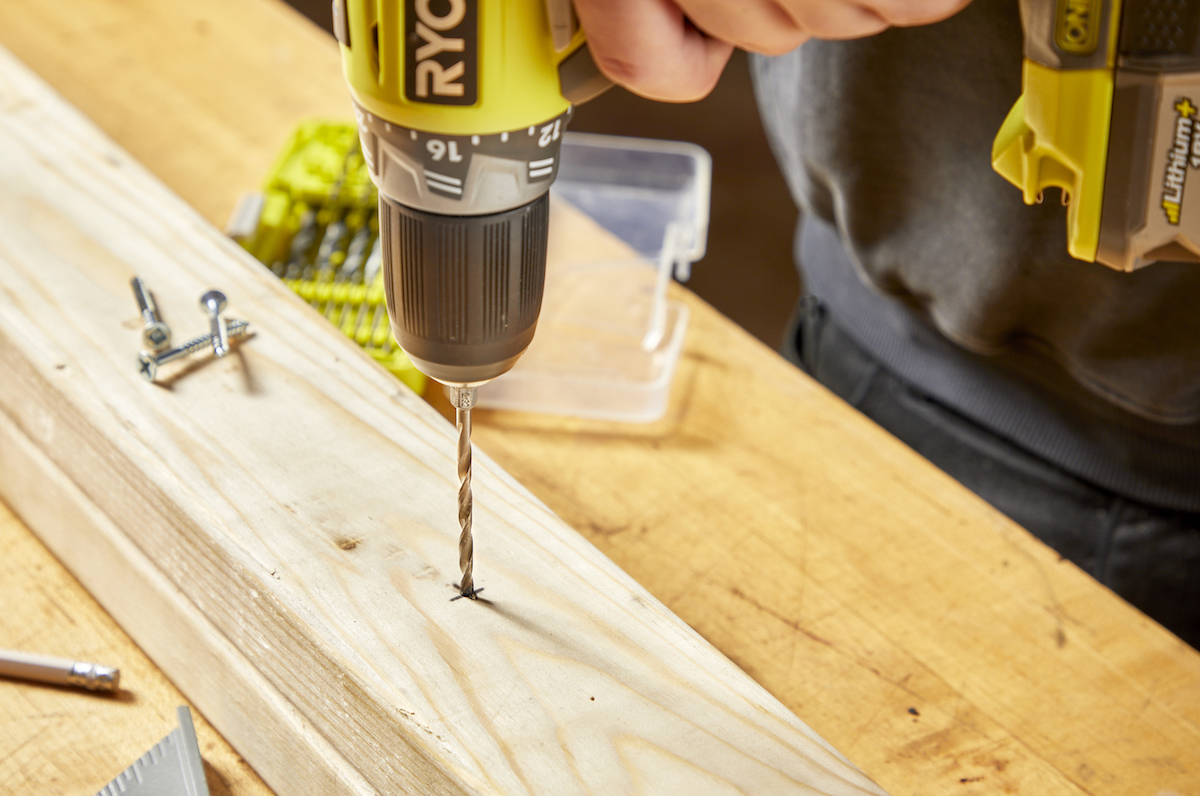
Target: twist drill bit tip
[463,399]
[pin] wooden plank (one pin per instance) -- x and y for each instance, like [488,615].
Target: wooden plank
[299,500]
[99,736]
[844,573]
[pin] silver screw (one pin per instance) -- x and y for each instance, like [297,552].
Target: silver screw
[213,302]
[148,361]
[156,335]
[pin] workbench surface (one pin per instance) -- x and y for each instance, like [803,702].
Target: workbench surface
[934,643]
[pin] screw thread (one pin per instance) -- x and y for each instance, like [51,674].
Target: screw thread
[235,328]
[145,301]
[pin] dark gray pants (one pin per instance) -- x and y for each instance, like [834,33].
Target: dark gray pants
[1147,555]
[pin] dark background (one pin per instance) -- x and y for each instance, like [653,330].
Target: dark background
[747,273]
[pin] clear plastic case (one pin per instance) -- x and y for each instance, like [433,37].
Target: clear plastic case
[609,339]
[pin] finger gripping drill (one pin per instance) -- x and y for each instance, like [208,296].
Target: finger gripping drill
[461,106]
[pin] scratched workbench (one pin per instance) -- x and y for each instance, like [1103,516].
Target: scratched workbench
[936,644]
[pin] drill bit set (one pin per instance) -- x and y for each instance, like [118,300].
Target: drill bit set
[315,225]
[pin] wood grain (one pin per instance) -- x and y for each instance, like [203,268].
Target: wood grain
[298,503]
[840,570]
[62,740]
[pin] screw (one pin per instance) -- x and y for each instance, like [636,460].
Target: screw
[156,335]
[213,302]
[148,361]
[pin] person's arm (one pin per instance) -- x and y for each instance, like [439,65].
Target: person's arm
[674,50]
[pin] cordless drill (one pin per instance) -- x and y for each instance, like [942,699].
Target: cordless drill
[461,107]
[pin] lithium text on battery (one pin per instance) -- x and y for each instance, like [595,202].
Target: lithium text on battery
[1178,159]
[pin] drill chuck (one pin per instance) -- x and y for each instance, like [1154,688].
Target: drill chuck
[464,292]
[463,222]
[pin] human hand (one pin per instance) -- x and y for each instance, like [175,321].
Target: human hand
[674,50]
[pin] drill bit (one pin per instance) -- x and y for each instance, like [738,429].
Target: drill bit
[301,245]
[463,399]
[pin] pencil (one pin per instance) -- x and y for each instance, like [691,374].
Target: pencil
[58,671]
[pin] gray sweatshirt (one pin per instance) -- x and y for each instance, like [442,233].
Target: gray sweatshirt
[933,264]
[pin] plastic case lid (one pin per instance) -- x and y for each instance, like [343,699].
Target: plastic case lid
[609,339]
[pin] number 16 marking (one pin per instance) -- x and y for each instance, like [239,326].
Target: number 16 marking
[437,148]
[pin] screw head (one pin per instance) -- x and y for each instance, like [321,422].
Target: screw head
[213,302]
[147,365]
[156,336]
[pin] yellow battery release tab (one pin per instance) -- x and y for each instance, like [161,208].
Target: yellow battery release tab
[1056,136]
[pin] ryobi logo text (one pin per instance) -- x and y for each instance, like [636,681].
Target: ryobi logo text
[1077,26]
[441,51]
[1184,152]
